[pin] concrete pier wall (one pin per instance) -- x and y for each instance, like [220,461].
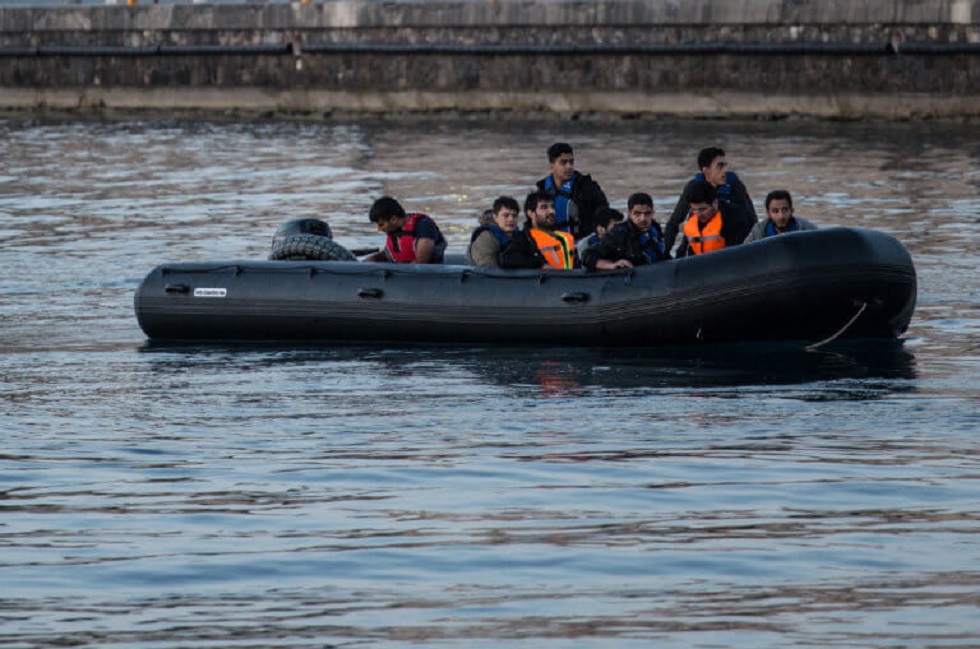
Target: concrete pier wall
[893,59]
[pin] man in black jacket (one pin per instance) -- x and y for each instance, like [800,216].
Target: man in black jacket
[635,242]
[712,167]
[577,196]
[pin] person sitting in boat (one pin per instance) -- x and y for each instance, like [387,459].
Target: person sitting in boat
[488,240]
[712,225]
[539,244]
[577,196]
[412,238]
[638,241]
[605,218]
[779,218]
[713,167]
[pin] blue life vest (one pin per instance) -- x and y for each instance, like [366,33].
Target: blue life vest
[725,191]
[563,196]
[771,229]
[651,244]
[502,236]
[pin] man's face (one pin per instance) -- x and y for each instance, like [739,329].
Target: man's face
[543,216]
[563,167]
[704,211]
[716,173]
[779,212]
[506,219]
[642,216]
[391,225]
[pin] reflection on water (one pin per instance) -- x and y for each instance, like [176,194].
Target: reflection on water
[357,496]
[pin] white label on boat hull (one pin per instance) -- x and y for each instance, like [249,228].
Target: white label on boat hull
[210,292]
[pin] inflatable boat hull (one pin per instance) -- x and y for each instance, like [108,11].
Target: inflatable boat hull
[804,286]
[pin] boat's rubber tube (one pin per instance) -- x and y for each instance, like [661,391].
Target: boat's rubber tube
[803,286]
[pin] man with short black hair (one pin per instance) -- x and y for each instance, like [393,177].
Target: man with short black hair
[412,238]
[779,217]
[577,196]
[713,168]
[488,241]
[712,225]
[539,244]
[637,241]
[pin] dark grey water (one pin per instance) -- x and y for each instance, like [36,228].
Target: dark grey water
[744,496]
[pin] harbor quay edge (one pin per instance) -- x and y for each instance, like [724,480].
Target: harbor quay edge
[889,59]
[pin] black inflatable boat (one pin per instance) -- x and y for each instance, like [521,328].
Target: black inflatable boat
[806,286]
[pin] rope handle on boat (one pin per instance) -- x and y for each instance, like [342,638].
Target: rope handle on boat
[823,342]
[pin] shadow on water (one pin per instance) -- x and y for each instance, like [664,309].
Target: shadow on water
[561,370]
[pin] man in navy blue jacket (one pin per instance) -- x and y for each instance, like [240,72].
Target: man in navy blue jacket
[577,196]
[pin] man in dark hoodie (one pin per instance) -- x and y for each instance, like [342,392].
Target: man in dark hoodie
[577,196]
[713,167]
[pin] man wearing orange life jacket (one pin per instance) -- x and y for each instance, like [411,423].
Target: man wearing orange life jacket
[711,227]
[539,245]
[412,238]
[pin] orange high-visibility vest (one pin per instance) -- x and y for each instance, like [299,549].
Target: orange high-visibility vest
[704,239]
[558,248]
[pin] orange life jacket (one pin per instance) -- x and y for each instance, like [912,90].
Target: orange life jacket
[704,239]
[557,247]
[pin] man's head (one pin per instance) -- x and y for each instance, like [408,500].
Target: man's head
[703,199]
[779,207]
[387,214]
[506,213]
[639,209]
[605,218]
[539,207]
[712,163]
[561,161]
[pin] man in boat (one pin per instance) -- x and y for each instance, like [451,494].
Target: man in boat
[487,241]
[638,241]
[712,225]
[539,244]
[605,218]
[779,218]
[577,196]
[412,238]
[713,167]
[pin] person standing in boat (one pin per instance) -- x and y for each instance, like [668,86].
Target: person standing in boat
[605,218]
[539,244]
[412,238]
[638,241]
[577,196]
[712,225]
[488,240]
[713,167]
[779,218]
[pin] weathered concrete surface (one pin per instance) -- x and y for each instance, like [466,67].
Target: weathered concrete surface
[823,83]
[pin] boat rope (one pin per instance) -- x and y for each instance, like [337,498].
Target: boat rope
[823,342]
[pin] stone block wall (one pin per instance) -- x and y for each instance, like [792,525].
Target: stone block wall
[877,58]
